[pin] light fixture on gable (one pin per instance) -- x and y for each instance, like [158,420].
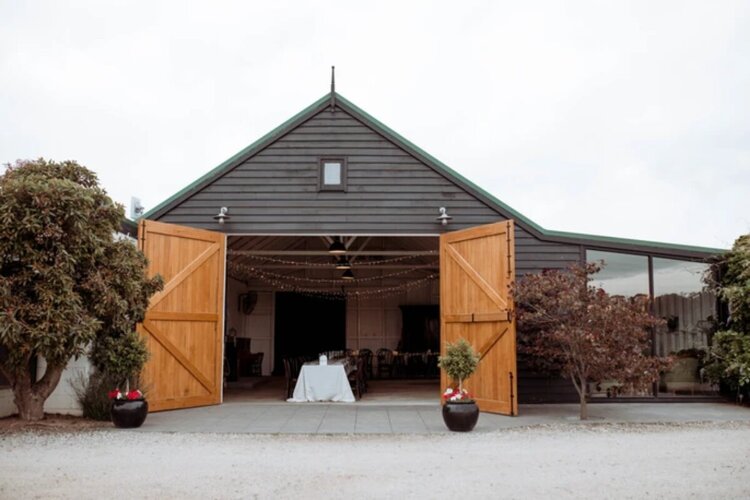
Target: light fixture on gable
[443,218]
[222,215]
[337,248]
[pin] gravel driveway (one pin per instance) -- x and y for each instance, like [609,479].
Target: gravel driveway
[593,461]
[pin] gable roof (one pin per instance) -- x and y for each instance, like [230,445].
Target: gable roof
[462,182]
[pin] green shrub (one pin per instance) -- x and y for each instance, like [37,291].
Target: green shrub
[119,358]
[729,360]
[460,361]
[92,393]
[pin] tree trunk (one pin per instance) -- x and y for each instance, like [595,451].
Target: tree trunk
[584,407]
[581,389]
[30,405]
[29,396]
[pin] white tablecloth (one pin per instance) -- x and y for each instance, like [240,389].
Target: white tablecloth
[323,383]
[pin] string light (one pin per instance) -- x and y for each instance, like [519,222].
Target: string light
[306,263]
[333,294]
[242,268]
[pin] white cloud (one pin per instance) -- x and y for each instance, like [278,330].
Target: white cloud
[628,119]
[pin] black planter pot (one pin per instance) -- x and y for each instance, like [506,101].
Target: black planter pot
[460,417]
[128,414]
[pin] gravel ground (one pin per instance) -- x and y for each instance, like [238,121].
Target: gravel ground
[592,461]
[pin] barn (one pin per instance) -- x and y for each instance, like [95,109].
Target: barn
[333,232]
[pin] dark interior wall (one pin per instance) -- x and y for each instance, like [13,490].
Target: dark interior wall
[420,328]
[307,326]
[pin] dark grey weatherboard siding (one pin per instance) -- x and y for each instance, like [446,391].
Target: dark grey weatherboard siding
[276,191]
[388,192]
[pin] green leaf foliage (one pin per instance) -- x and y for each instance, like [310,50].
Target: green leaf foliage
[460,360]
[733,284]
[121,357]
[66,282]
[729,360]
[92,393]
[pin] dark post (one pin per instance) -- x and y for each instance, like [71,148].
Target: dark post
[655,386]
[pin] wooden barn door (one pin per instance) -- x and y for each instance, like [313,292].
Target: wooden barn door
[183,326]
[477,266]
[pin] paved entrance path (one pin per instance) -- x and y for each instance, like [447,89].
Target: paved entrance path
[358,418]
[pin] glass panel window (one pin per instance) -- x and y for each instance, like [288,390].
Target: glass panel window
[332,173]
[622,274]
[689,311]
[680,298]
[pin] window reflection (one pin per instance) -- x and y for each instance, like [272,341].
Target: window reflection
[679,298]
[622,274]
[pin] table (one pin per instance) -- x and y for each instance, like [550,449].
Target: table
[318,382]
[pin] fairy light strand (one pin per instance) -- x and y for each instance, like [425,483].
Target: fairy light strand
[306,263]
[242,268]
[342,294]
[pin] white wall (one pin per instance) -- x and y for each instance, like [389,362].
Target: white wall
[63,399]
[6,403]
[375,323]
[258,326]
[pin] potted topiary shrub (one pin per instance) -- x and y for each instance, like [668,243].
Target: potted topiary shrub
[129,408]
[121,359]
[460,411]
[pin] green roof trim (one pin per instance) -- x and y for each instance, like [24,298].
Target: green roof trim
[455,176]
[241,155]
[516,215]
[429,160]
[595,238]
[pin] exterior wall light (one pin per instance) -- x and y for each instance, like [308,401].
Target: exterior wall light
[443,218]
[222,215]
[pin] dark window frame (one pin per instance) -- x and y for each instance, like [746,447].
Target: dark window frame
[342,186]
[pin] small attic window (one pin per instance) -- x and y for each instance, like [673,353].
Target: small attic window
[333,174]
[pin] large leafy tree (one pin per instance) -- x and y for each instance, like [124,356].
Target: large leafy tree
[728,359]
[65,280]
[567,326]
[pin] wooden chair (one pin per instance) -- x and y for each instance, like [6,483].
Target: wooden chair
[432,370]
[254,363]
[367,355]
[291,373]
[357,378]
[385,362]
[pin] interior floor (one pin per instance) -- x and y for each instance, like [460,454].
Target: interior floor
[380,392]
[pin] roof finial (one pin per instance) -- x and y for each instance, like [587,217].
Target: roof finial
[333,88]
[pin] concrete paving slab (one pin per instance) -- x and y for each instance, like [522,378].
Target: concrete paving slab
[353,418]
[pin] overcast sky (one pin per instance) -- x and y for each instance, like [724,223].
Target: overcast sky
[627,119]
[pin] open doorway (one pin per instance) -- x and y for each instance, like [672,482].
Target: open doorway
[307,325]
[388,312]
